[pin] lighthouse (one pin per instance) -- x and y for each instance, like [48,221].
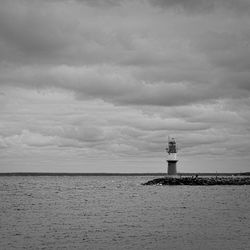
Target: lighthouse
[172,156]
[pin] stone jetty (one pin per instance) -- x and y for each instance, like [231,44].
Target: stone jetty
[200,181]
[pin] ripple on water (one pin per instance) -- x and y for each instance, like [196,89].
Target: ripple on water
[118,213]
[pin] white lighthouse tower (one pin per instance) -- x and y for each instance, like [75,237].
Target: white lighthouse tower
[172,156]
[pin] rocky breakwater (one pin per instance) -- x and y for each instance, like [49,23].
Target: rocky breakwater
[200,181]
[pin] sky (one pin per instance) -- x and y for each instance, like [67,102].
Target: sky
[99,85]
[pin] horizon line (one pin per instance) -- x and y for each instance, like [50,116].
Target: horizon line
[114,173]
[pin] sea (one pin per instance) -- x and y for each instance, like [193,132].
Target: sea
[117,212]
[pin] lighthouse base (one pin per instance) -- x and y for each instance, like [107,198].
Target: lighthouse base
[172,167]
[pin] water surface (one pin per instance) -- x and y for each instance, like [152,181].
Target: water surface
[116,212]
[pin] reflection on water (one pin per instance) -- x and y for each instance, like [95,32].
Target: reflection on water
[106,212]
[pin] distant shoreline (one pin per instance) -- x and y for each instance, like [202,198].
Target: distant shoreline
[116,174]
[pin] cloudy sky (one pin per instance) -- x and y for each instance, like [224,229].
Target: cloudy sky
[99,85]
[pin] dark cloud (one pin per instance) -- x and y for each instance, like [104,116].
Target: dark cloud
[199,6]
[190,5]
[113,84]
[114,78]
[101,3]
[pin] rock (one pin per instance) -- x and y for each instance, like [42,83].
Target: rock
[200,181]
